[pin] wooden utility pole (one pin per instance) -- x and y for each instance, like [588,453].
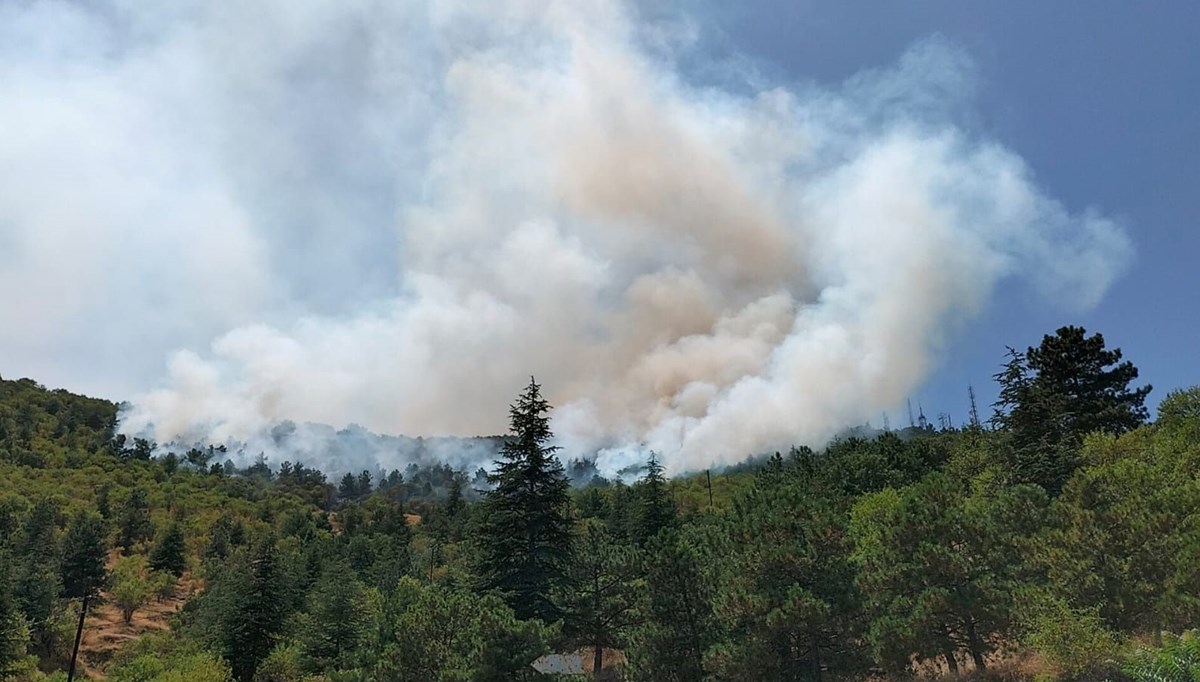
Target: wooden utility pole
[78,636]
[432,557]
[708,475]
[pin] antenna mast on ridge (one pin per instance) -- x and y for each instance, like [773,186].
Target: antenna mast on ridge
[974,410]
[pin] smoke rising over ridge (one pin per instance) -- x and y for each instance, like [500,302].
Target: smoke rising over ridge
[391,214]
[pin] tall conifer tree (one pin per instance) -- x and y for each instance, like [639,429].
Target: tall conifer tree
[134,525]
[525,534]
[84,551]
[254,616]
[14,635]
[169,553]
[655,510]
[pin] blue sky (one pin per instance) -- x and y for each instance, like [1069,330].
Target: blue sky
[1102,99]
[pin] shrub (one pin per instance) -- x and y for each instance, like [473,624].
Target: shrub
[1178,660]
[1074,641]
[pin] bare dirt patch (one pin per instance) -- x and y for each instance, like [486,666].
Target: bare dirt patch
[105,631]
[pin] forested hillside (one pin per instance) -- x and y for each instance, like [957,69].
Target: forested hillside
[1058,538]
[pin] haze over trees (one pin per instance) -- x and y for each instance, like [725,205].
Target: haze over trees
[1062,538]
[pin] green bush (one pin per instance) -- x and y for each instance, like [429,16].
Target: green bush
[1178,660]
[1074,641]
[194,667]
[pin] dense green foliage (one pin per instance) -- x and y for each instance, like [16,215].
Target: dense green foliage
[1067,534]
[170,553]
[1053,395]
[1178,660]
[14,634]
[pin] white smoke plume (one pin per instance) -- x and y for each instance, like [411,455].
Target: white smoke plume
[393,213]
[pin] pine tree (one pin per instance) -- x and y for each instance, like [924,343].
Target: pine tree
[348,488]
[389,519]
[678,630]
[441,633]
[453,509]
[622,508]
[10,518]
[938,569]
[102,503]
[525,537]
[1054,395]
[37,587]
[600,603]
[255,613]
[352,518]
[447,519]
[786,587]
[225,535]
[393,560]
[14,635]
[134,522]
[35,576]
[655,510]
[363,485]
[333,628]
[169,552]
[83,555]
[39,545]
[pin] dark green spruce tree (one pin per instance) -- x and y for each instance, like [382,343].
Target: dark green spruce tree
[655,509]
[253,617]
[35,578]
[134,523]
[333,628]
[348,488]
[225,535]
[169,553]
[39,545]
[452,511]
[525,531]
[14,635]
[84,550]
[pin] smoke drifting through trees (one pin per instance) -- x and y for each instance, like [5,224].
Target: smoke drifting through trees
[352,449]
[391,214]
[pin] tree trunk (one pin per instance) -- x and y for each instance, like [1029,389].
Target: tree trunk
[977,656]
[976,648]
[597,661]
[951,662]
[948,649]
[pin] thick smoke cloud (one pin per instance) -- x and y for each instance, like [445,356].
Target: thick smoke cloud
[393,213]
